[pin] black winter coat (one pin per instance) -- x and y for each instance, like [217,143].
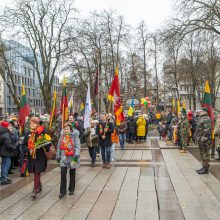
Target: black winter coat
[7,148]
[131,126]
[40,163]
[107,142]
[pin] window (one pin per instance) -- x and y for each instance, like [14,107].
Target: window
[29,72]
[29,91]
[25,71]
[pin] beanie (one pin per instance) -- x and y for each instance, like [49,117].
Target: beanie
[5,124]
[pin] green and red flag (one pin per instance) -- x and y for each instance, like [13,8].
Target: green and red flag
[115,97]
[54,109]
[64,104]
[207,103]
[24,109]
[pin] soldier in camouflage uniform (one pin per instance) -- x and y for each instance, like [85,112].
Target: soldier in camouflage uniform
[203,136]
[183,126]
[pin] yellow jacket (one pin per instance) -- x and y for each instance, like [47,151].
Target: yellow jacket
[141,126]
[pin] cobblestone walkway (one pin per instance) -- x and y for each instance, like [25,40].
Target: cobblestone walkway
[147,181]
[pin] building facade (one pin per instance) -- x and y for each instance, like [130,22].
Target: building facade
[22,62]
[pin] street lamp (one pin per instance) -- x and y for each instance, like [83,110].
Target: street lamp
[174,89]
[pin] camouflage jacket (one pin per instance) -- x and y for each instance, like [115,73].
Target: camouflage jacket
[203,133]
[183,125]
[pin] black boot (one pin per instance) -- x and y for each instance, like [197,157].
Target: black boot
[199,170]
[205,170]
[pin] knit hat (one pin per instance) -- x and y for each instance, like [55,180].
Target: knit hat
[5,124]
[35,120]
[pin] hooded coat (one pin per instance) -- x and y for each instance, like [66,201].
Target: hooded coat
[141,126]
[7,148]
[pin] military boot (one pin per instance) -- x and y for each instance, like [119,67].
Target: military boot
[205,170]
[199,170]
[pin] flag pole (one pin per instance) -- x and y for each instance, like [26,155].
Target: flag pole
[53,109]
[98,85]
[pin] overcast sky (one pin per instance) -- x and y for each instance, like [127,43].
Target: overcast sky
[153,12]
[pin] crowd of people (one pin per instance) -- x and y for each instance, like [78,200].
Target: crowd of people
[62,142]
[30,149]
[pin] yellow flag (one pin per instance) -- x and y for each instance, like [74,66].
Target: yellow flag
[184,105]
[178,106]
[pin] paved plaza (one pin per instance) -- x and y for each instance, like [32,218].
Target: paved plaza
[147,181]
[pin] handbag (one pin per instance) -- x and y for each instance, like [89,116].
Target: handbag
[51,154]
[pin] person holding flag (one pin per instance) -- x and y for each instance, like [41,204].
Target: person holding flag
[204,134]
[104,129]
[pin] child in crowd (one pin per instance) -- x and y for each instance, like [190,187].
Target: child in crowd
[115,140]
[68,152]
[162,130]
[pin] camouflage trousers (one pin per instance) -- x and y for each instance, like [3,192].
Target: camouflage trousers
[184,142]
[205,155]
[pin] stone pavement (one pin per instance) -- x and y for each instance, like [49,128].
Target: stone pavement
[145,182]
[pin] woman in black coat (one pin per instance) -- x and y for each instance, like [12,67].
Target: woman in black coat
[37,161]
[7,150]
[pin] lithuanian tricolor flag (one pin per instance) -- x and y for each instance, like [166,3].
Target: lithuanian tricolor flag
[82,109]
[64,104]
[114,96]
[24,109]
[207,103]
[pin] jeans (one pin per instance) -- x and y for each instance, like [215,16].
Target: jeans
[122,140]
[92,153]
[6,163]
[106,154]
[63,183]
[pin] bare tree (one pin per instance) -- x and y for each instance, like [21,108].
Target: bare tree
[196,15]
[6,71]
[144,37]
[43,24]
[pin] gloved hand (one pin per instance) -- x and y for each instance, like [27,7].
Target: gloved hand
[58,160]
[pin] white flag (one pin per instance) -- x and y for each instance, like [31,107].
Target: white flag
[88,109]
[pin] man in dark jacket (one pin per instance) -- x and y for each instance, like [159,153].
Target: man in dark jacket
[122,128]
[104,130]
[131,129]
[7,149]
